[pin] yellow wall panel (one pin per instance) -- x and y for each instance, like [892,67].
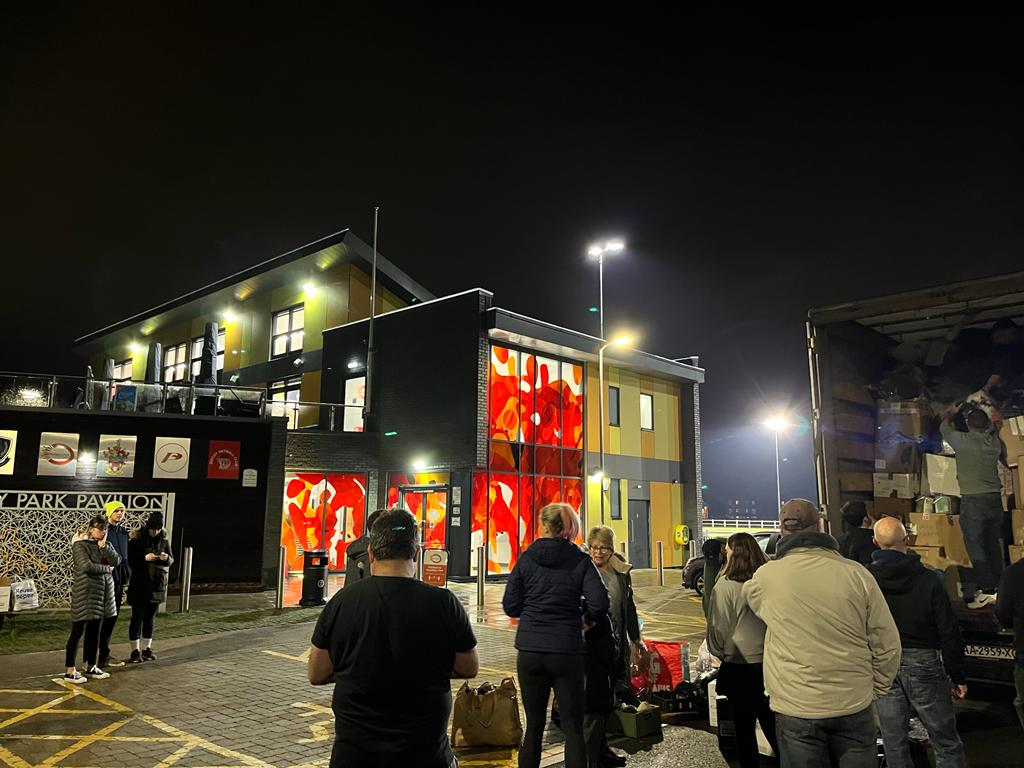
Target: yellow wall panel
[662,528]
[336,287]
[629,413]
[358,295]
[256,330]
[592,408]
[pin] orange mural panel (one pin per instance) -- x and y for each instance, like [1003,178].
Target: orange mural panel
[322,512]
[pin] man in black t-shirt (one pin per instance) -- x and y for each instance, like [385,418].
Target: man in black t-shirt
[391,645]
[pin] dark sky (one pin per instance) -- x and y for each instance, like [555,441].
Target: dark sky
[756,166]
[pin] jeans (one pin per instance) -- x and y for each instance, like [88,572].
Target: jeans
[142,619]
[840,742]
[539,673]
[921,685]
[981,520]
[91,630]
[108,627]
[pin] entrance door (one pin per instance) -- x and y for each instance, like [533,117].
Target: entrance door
[429,505]
[640,533]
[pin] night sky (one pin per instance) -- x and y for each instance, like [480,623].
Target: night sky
[756,166]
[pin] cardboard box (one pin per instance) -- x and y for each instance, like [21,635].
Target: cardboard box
[897,457]
[1012,435]
[1016,552]
[939,505]
[939,478]
[900,486]
[925,526]
[952,539]
[5,595]
[636,725]
[906,421]
[898,508]
[931,556]
[1017,522]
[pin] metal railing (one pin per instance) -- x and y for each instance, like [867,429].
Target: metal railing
[742,524]
[334,417]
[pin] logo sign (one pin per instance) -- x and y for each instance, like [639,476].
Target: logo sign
[250,478]
[222,463]
[116,456]
[58,454]
[8,442]
[435,567]
[170,457]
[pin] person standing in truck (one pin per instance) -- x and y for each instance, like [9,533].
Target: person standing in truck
[981,503]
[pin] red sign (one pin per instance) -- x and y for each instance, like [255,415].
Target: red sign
[435,567]
[224,460]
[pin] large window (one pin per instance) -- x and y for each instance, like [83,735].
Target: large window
[284,398]
[123,370]
[355,399]
[286,331]
[197,352]
[615,493]
[613,406]
[646,412]
[175,362]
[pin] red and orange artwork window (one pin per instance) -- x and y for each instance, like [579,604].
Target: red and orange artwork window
[535,450]
[322,511]
[428,506]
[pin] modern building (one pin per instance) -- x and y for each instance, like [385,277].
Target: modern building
[476,417]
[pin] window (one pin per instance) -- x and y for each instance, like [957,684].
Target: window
[175,363]
[613,406]
[355,395]
[646,412]
[197,351]
[123,370]
[286,331]
[283,392]
[615,492]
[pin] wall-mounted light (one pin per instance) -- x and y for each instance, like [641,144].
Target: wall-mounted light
[597,477]
[134,348]
[391,434]
[309,288]
[229,316]
[353,364]
[86,458]
[233,378]
[419,464]
[298,362]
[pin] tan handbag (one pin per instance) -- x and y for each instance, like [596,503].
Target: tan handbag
[488,715]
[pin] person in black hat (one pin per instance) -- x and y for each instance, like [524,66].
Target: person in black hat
[149,553]
[857,543]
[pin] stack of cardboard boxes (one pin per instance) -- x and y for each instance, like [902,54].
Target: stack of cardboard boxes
[921,489]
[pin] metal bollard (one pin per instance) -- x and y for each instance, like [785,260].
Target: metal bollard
[661,564]
[419,563]
[622,548]
[186,579]
[481,575]
[693,548]
[281,565]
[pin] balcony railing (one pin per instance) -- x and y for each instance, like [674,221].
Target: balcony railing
[180,398]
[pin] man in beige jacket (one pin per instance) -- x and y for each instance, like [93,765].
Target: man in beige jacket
[831,647]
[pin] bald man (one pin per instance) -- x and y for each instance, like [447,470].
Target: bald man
[931,669]
[831,647]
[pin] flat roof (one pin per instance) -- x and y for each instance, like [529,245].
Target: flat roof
[332,249]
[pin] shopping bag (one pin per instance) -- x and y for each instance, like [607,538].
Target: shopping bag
[488,715]
[26,598]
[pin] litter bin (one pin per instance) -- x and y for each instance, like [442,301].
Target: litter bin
[314,578]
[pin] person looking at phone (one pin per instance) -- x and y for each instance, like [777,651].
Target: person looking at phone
[92,598]
[150,556]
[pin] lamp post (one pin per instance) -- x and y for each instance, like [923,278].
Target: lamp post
[777,424]
[621,342]
[598,251]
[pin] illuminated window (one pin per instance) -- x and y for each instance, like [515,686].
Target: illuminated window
[355,398]
[647,412]
[613,406]
[284,399]
[286,331]
[175,363]
[123,370]
[197,352]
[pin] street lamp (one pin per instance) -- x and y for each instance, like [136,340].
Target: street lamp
[777,424]
[621,342]
[598,251]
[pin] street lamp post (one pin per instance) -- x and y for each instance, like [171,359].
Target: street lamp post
[621,341]
[598,251]
[777,424]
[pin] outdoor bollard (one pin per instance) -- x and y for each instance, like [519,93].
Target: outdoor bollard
[419,563]
[661,564]
[281,565]
[186,579]
[693,548]
[622,548]
[481,574]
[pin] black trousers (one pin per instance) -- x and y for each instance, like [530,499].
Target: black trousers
[91,630]
[744,687]
[539,674]
[108,626]
[142,620]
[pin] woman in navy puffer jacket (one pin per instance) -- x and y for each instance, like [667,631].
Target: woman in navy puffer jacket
[556,593]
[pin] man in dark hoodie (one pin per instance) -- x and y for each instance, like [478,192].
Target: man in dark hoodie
[357,556]
[117,536]
[856,544]
[932,664]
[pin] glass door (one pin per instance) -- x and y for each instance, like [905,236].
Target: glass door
[429,505]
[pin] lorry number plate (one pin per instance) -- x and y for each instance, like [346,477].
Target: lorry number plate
[990,651]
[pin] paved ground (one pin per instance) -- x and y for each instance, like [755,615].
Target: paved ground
[241,699]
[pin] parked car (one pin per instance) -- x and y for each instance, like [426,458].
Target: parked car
[693,571]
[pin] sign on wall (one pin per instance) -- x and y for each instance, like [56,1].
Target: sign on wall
[58,454]
[170,457]
[116,456]
[8,444]
[223,460]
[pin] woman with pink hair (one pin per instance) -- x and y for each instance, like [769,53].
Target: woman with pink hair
[557,594]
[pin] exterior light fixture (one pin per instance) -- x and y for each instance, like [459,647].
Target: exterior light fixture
[134,348]
[30,394]
[309,288]
[86,458]
[353,364]
[777,423]
[623,341]
[592,309]
[419,465]
[392,433]
[229,316]
[597,477]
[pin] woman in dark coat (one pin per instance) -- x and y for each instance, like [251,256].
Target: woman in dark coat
[149,553]
[545,591]
[92,598]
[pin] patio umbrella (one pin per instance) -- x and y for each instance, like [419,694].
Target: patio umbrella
[208,360]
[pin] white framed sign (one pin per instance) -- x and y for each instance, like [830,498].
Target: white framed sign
[170,457]
[116,456]
[58,454]
[8,444]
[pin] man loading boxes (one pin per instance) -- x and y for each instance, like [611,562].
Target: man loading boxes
[981,508]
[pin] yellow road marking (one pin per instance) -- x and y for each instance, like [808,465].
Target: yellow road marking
[22,690]
[207,745]
[80,691]
[69,737]
[303,657]
[62,711]
[83,743]
[12,759]
[36,710]
[175,756]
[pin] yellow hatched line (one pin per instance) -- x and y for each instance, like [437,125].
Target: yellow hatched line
[36,710]
[80,691]
[66,737]
[12,760]
[207,745]
[62,711]
[174,757]
[83,743]
[23,690]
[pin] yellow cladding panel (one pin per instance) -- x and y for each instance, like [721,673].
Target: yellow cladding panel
[233,343]
[309,392]
[629,413]
[256,335]
[336,287]
[666,514]
[592,408]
